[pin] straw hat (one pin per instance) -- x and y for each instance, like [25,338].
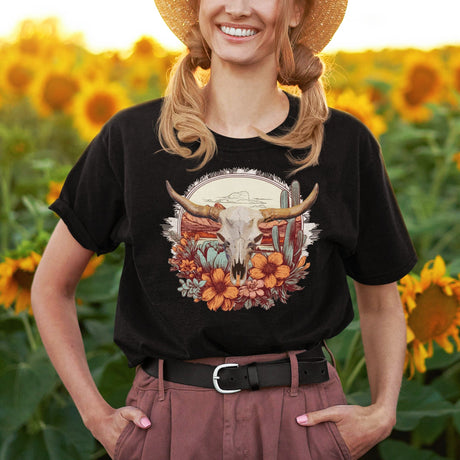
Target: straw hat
[320,26]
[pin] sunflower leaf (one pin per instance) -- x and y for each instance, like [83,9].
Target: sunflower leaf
[47,444]
[22,388]
[417,401]
[398,450]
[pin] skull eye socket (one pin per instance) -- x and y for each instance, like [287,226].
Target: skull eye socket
[256,240]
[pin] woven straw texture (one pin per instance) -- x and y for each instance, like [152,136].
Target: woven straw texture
[321,24]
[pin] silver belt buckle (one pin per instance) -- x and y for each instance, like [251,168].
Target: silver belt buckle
[215,378]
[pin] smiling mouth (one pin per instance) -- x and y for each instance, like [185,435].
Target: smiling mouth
[237,32]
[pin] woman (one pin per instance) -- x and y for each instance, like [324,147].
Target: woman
[226,265]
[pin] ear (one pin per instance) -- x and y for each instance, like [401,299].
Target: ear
[296,14]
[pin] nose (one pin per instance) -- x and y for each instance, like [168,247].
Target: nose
[238,8]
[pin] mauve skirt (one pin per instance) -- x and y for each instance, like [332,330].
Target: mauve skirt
[194,423]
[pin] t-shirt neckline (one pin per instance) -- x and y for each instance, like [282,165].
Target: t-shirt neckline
[247,143]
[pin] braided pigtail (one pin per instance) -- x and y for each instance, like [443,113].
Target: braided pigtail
[181,119]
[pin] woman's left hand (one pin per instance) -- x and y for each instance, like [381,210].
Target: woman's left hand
[361,427]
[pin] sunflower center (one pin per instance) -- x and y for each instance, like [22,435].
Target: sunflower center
[144,47]
[434,314]
[19,76]
[422,82]
[100,108]
[59,91]
[23,278]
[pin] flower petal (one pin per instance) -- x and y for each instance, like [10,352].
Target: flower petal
[259,261]
[275,258]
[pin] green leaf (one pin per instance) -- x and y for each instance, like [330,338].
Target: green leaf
[398,450]
[448,383]
[115,381]
[22,387]
[457,417]
[416,402]
[47,444]
[428,430]
[101,286]
[68,422]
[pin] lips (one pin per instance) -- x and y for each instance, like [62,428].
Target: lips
[238,31]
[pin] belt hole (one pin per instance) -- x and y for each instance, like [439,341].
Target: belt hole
[322,371]
[305,372]
[245,376]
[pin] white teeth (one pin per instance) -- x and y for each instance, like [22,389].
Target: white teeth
[237,32]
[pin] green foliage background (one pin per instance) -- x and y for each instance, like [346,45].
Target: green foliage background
[37,418]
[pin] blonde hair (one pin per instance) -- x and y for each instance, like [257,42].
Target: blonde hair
[181,120]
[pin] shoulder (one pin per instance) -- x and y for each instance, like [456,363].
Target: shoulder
[342,128]
[145,111]
[341,121]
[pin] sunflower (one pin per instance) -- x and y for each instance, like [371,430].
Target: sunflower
[95,104]
[16,277]
[54,91]
[432,310]
[16,73]
[269,269]
[219,292]
[360,106]
[422,82]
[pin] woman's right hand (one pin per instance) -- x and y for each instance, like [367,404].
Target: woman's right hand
[108,428]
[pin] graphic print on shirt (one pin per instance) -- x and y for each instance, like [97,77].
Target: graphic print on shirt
[239,239]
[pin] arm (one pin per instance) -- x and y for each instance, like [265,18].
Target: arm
[384,338]
[383,330]
[53,302]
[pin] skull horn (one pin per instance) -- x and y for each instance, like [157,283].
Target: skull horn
[196,210]
[270,214]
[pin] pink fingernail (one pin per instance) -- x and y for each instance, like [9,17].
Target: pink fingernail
[145,422]
[302,419]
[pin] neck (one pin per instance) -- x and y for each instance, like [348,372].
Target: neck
[240,100]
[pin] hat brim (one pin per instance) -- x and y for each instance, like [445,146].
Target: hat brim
[322,22]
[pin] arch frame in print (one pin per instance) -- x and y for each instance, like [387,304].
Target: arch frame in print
[231,212]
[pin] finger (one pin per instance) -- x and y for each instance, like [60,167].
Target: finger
[330,414]
[135,415]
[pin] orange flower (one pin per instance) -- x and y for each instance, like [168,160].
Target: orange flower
[271,270]
[219,292]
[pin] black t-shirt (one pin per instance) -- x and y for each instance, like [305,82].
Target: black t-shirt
[214,272]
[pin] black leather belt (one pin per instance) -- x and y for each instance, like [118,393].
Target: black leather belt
[232,377]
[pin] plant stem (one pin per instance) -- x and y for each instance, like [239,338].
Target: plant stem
[352,377]
[30,335]
[451,440]
[5,212]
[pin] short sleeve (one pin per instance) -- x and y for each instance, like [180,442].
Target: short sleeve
[91,199]
[384,252]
